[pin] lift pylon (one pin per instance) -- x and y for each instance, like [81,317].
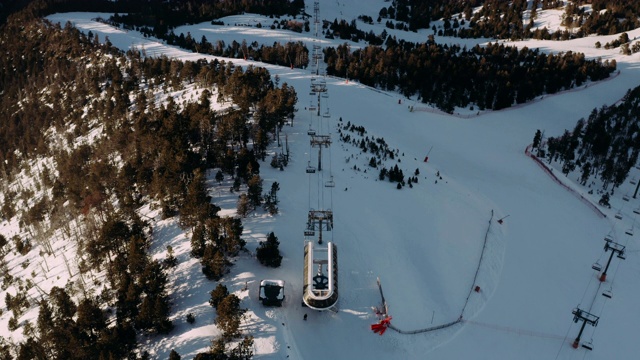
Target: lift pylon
[587,318]
[615,249]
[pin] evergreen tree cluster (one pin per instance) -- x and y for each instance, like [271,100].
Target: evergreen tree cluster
[294,54]
[214,241]
[605,145]
[69,330]
[349,31]
[165,147]
[607,17]
[355,136]
[504,19]
[58,85]
[490,77]
[417,14]
[228,318]
[162,15]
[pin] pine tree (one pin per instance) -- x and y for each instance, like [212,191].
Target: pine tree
[214,263]
[254,190]
[90,320]
[218,294]
[268,253]
[229,316]
[195,206]
[219,176]
[198,241]
[170,261]
[218,348]
[536,139]
[244,349]
[383,174]
[173,355]
[275,187]
[244,206]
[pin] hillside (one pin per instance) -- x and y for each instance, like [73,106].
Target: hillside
[423,242]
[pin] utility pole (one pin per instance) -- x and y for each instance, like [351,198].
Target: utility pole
[615,249]
[587,318]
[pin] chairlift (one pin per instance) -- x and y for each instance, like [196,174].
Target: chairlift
[625,197]
[312,93]
[608,238]
[629,232]
[621,256]
[330,183]
[326,115]
[309,233]
[312,108]
[325,95]
[618,215]
[311,170]
[588,345]
[311,132]
[596,266]
[636,210]
[607,294]
[633,181]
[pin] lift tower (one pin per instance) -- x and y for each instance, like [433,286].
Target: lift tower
[587,318]
[615,249]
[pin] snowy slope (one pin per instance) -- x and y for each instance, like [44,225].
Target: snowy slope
[424,243]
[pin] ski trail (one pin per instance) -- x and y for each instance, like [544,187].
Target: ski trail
[292,348]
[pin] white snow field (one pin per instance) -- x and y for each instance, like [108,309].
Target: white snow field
[425,242]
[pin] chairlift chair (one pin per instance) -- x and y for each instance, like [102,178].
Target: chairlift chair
[608,238]
[309,233]
[596,266]
[311,131]
[636,211]
[330,183]
[625,197]
[629,232]
[588,345]
[607,293]
[633,181]
[310,169]
[618,215]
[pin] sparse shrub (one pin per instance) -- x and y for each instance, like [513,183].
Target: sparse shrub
[22,246]
[13,324]
[170,261]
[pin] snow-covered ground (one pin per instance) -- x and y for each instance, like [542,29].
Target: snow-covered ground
[423,243]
